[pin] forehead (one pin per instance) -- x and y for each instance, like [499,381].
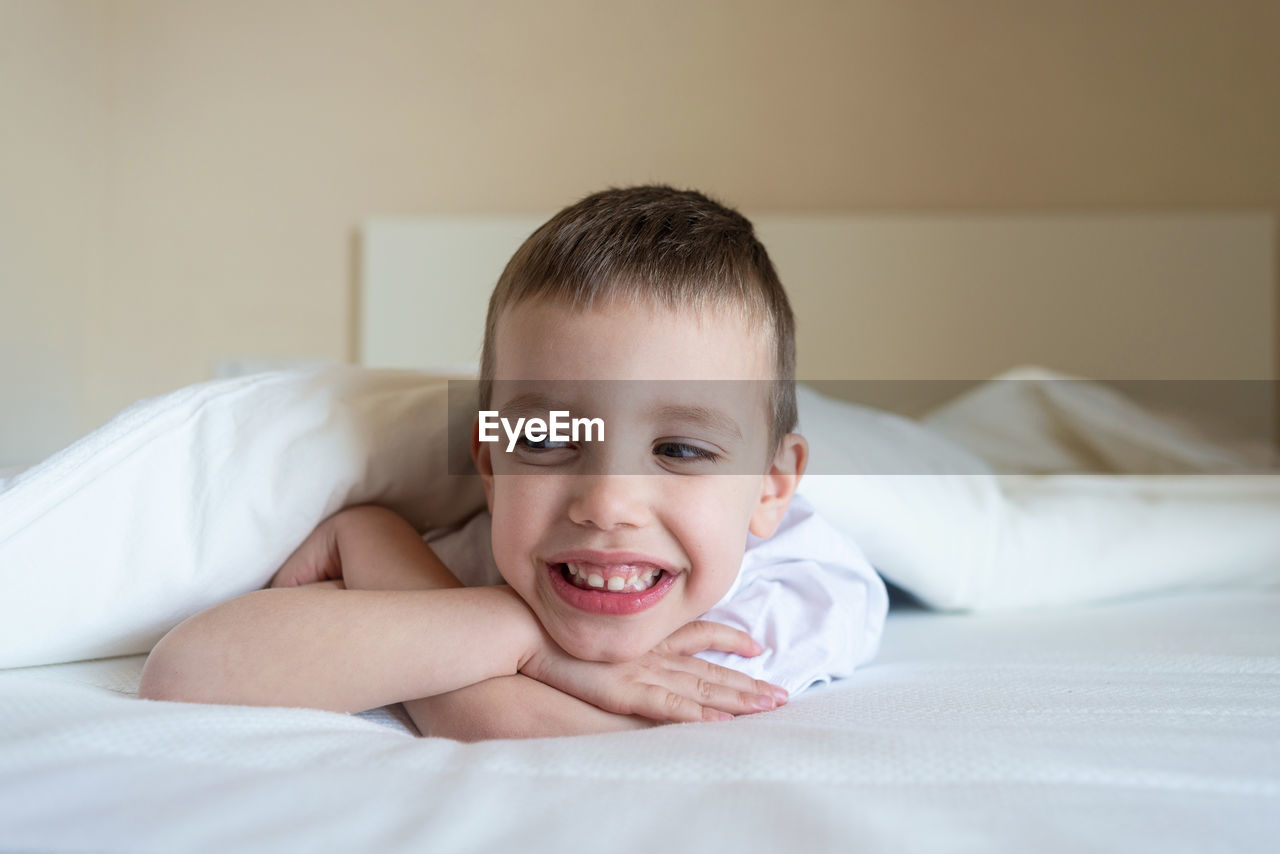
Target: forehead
[623,340]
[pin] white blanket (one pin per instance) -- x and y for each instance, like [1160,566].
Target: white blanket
[1095,498]
[194,497]
[1150,725]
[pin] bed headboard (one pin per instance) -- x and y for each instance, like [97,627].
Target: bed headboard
[907,296]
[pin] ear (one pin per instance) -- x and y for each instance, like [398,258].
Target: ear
[780,483]
[483,462]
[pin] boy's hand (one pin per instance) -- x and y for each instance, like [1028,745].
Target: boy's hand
[364,547]
[668,683]
[316,560]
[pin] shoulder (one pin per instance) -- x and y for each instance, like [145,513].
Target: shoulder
[811,597]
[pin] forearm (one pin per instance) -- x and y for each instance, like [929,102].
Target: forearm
[344,650]
[514,707]
[379,550]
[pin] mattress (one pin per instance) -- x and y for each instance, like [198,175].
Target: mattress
[1145,724]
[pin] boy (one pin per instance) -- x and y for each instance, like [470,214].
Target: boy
[657,313]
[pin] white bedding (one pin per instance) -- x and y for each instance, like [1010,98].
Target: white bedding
[197,496]
[1146,725]
[1150,723]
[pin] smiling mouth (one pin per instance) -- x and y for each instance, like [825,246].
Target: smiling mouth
[611,589]
[611,578]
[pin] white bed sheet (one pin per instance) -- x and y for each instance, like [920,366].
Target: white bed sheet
[1150,724]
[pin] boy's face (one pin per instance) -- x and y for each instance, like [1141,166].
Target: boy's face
[648,499]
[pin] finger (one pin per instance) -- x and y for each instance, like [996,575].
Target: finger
[316,559]
[300,575]
[297,570]
[729,678]
[660,704]
[701,635]
[716,695]
[286,577]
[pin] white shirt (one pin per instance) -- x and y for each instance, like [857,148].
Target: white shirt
[807,594]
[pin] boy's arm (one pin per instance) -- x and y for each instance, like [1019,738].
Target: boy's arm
[343,650]
[374,548]
[349,650]
[377,549]
[514,707]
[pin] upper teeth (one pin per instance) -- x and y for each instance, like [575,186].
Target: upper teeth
[619,577]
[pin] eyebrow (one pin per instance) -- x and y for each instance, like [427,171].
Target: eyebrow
[532,402]
[702,416]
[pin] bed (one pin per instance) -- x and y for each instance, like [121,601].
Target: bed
[1146,725]
[1079,660]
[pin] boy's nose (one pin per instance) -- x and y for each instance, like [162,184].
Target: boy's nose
[609,501]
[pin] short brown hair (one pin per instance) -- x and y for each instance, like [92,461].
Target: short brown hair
[657,245]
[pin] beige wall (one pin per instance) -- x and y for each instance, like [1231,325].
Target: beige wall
[182,181]
[52,181]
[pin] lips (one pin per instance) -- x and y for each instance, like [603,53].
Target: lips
[610,583]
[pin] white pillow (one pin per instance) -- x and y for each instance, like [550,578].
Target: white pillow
[924,510]
[192,498]
[197,496]
[933,520]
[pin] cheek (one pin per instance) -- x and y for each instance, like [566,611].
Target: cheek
[511,507]
[514,495]
[523,510]
[713,528]
[721,507]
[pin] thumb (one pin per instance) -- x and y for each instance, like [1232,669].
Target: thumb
[701,635]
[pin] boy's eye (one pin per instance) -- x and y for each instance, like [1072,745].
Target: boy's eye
[684,451]
[543,445]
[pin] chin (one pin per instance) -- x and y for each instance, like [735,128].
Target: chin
[611,651]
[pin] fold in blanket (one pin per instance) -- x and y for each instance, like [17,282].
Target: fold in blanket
[1186,512]
[1032,420]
